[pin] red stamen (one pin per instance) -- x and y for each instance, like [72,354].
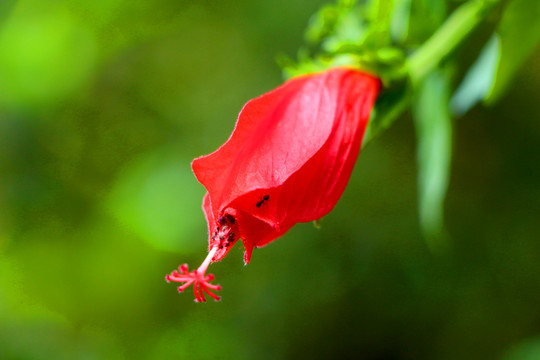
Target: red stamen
[200,281]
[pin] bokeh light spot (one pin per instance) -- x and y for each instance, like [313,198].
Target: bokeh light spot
[44,55]
[158,198]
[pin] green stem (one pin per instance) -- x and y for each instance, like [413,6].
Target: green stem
[450,35]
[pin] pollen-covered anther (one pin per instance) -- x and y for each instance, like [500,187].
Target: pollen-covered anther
[200,281]
[226,219]
[223,236]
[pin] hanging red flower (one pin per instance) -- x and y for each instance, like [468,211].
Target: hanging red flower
[287,161]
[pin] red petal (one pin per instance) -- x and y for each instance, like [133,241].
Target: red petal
[290,155]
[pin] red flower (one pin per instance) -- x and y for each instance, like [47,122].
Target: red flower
[287,161]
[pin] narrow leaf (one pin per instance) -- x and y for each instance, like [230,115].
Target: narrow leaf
[478,81]
[434,136]
[399,27]
[519,32]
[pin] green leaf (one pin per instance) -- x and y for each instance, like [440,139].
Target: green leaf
[434,144]
[380,15]
[519,32]
[350,33]
[426,16]
[478,81]
[399,27]
[323,23]
[350,29]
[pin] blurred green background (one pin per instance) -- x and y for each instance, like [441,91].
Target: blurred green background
[103,104]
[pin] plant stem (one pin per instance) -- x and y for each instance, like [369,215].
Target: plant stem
[450,35]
